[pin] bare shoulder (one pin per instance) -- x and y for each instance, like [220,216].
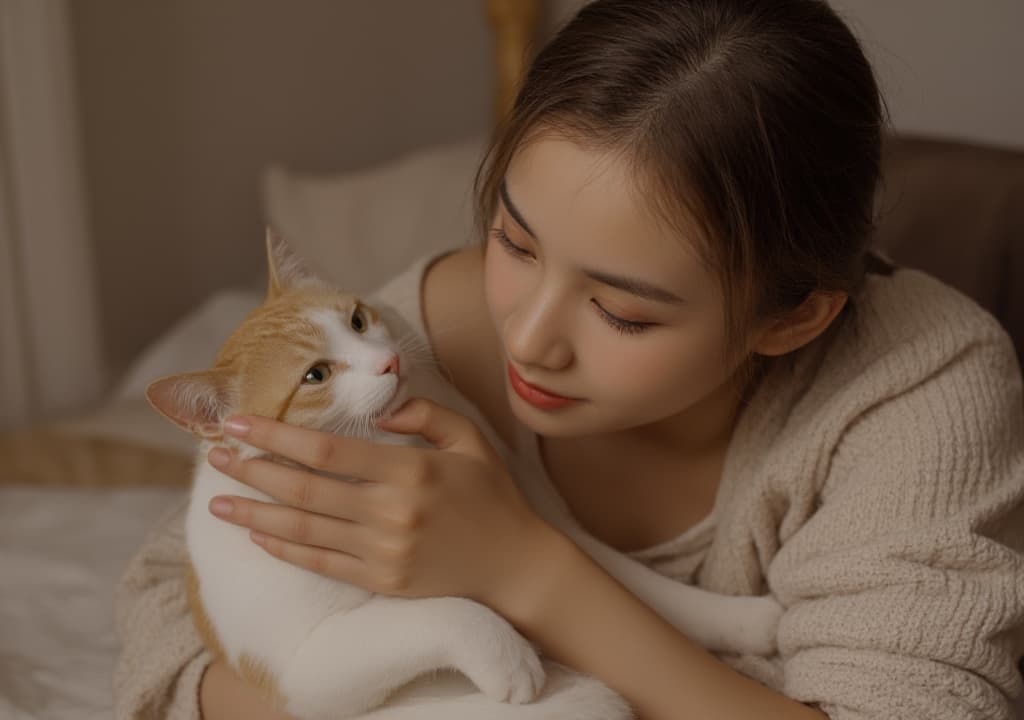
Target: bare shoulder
[462,337]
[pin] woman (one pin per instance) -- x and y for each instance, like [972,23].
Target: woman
[675,316]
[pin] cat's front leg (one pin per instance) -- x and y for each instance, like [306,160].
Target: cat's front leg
[721,623]
[352,662]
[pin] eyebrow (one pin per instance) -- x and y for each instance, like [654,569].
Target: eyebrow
[513,210]
[633,286]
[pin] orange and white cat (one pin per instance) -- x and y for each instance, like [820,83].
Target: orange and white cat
[315,356]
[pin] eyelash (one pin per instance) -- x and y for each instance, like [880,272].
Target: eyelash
[626,327]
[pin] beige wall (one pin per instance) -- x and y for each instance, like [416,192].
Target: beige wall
[947,67]
[183,102]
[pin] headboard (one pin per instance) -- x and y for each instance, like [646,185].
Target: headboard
[514,25]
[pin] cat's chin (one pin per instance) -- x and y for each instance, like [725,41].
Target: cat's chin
[397,400]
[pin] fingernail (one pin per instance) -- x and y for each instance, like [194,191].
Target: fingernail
[219,457]
[236,426]
[257,537]
[221,506]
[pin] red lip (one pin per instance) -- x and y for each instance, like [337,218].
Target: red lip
[538,397]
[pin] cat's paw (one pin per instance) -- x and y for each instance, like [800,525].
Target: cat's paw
[756,624]
[501,663]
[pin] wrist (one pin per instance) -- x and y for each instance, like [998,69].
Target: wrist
[545,563]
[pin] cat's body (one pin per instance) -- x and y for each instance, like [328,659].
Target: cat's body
[321,648]
[294,631]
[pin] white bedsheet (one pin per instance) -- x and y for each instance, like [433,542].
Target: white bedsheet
[61,551]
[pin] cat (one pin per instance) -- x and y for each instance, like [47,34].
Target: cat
[313,355]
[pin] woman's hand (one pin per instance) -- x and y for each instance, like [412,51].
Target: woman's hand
[437,521]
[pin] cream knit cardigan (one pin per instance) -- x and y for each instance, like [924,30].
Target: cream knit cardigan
[874,484]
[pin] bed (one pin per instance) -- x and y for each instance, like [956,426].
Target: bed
[77,496]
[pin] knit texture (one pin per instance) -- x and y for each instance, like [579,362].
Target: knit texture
[874,484]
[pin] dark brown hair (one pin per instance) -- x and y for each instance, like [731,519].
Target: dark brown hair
[758,121]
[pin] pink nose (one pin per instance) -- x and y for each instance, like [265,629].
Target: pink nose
[390,366]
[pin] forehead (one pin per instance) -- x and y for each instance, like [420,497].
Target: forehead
[571,195]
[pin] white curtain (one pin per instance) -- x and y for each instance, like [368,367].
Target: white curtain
[50,360]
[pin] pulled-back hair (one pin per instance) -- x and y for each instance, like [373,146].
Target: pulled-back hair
[756,121]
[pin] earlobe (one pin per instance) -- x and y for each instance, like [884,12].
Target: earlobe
[801,325]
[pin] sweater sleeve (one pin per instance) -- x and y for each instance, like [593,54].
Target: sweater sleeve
[905,588]
[161,658]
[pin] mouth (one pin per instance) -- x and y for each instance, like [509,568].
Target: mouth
[536,396]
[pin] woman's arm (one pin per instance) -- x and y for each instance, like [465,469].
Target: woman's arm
[584,618]
[223,695]
[162,669]
[161,657]
[452,521]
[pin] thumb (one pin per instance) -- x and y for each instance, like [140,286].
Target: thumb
[439,425]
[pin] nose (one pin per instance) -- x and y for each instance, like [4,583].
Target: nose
[534,334]
[389,366]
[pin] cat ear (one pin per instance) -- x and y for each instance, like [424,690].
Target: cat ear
[197,402]
[285,269]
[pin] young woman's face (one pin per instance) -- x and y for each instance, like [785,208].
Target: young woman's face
[594,299]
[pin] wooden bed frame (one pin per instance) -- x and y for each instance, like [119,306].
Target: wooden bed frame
[514,24]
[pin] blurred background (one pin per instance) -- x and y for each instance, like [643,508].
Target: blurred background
[134,135]
[145,143]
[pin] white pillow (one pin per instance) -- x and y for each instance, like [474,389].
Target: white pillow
[191,343]
[360,229]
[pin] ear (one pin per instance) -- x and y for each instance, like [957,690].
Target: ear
[802,325]
[285,270]
[197,402]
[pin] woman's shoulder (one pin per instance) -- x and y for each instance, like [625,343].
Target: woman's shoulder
[913,304]
[917,364]
[910,329]
[907,329]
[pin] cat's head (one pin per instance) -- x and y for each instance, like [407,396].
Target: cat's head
[309,355]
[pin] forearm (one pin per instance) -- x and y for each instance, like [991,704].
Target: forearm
[584,618]
[223,695]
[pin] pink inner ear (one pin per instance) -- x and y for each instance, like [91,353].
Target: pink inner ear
[197,402]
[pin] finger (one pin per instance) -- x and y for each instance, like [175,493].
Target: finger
[296,526]
[348,456]
[298,488]
[322,561]
[441,426]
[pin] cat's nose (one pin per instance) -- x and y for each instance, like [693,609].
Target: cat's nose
[389,366]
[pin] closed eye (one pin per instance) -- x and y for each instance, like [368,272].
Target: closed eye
[511,247]
[626,327]
[621,325]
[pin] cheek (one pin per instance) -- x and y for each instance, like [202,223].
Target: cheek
[502,285]
[673,371]
[308,406]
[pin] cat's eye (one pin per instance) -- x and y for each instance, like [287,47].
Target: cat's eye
[358,320]
[317,374]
